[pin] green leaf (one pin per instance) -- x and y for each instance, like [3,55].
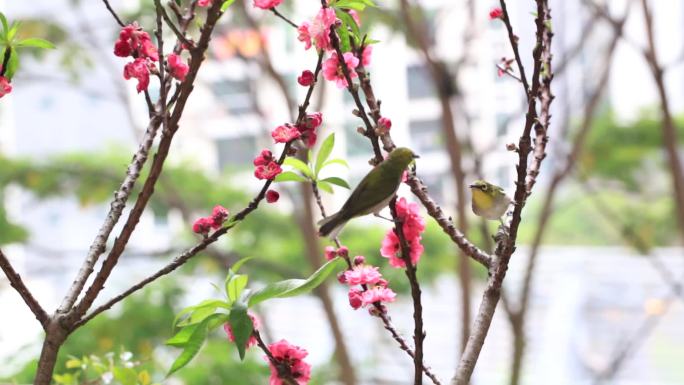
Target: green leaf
[237,265]
[343,31]
[36,42]
[73,363]
[325,186]
[351,4]
[226,4]
[126,376]
[5,25]
[337,182]
[348,20]
[182,337]
[290,176]
[337,161]
[324,152]
[199,312]
[294,287]
[235,286]
[14,28]
[241,325]
[299,165]
[12,65]
[195,340]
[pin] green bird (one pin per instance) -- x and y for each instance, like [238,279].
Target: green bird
[373,193]
[489,200]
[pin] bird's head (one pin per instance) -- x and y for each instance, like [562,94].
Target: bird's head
[402,156]
[486,188]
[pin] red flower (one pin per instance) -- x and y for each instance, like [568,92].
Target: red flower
[306,78]
[330,253]
[264,158]
[355,298]
[177,67]
[5,86]
[496,13]
[267,4]
[139,69]
[268,171]
[332,69]
[204,3]
[218,215]
[202,225]
[366,55]
[377,294]
[291,356]
[285,133]
[272,196]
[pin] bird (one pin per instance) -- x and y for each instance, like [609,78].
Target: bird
[372,194]
[489,201]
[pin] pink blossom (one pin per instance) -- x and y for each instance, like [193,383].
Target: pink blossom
[332,70]
[391,249]
[320,28]
[252,340]
[330,253]
[366,55]
[384,124]
[177,67]
[264,158]
[495,13]
[377,294]
[204,3]
[202,225]
[267,171]
[285,133]
[272,196]
[136,42]
[306,78]
[267,4]
[140,70]
[304,35]
[343,252]
[5,86]
[413,222]
[355,298]
[291,356]
[218,215]
[308,126]
[359,260]
[362,275]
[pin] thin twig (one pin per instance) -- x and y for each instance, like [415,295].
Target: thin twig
[18,284]
[280,15]
[111,10]
[513,38]
[179,35]
[5,60]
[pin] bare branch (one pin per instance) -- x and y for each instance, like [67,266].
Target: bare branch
[18,284]
[513,38]
[111,10]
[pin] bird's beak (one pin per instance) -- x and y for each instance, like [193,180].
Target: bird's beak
[415,156]
[473,186]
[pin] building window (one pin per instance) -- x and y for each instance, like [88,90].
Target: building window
[426,135]
[420,83]
[235,152]
[435,185]
[235,95]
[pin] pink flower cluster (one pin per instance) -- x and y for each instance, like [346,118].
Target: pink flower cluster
[333,71]
[177,67]
[135,42]
[214,221]
[266,166]
[413,225]
[292,357]
[318,31]
[5,86]
[252,340]
[373,287]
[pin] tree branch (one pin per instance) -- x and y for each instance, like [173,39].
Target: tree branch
[18,285]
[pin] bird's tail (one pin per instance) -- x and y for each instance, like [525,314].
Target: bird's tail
[332,225]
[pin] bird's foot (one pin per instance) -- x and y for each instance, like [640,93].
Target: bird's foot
[383,217]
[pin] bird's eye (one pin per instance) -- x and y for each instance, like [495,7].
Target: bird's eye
[484,188]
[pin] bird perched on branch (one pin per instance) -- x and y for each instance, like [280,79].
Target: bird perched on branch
[373,193]
[489,200]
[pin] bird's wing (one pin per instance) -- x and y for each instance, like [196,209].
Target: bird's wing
[368,199]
